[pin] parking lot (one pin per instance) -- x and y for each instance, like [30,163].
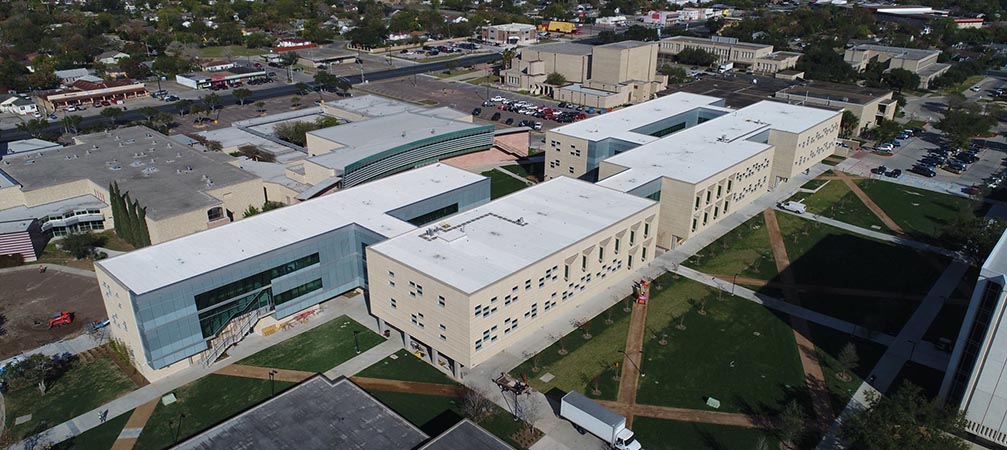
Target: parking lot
[912,150]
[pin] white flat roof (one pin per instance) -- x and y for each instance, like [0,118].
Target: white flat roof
[496,240]
[623,120]
[366,205]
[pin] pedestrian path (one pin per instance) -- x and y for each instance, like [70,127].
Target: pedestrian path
[852,292]
[366,359]
[814,377]
[409,387]
[629,380]
[265,373]
[131,432]
[687,415]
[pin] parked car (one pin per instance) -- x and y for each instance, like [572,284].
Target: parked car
[894,173]
[537,126]
[886,147]
[488,103]
[477,111]
[796,207]
[923,170]
[955,166]
[495,117]
[880,170]
[509,121]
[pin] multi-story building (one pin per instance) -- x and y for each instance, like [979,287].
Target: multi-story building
[602,76]
[922,62]
[185,301]
[868,104]
[698,158]
[757,57]
[973,381]
[468,285]
[182,190]
[511,34]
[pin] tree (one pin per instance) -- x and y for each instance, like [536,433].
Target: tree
[555,79]
[112,113]
[886,130]
[675,74]
[696,57]
[974,237]
[961,125]
[640,33]
[792,424]
[81,245]
[899,79]
[251,211]
[507,57]
[848,124]
[241,94]
[822,62]
[295,101]
[258,40]
[714,24]
[34,127]
[302,88]
[476,406]
[260,106]
[118,208]
[288,59]
[72,123]
[327,81]
[848,361]
[183,106]
[904,420]
[212,101]
[148,112]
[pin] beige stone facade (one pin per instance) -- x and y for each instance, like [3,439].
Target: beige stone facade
[869,105]
[468,325]
[511,34]
[922,62]
[758,57]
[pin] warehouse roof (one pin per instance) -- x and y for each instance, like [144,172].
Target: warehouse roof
[474,249]
[154,267]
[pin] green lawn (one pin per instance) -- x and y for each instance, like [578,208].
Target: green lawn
[453,72]
[744,250]
[525,170]
[837,201]
[229,50]
[835,160]
[405,367]
[921,213]
[586,361]
[98,438]
[660,434]
[738,352]
[202,404]
[318,350]
[815,183]
[83,387]
[827,256]
[502,184]
[829,344]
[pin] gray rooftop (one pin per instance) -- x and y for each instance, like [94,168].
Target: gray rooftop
[899,52]
[369,137]
[486,244]
[314,415]
[55,208]
[836,92]
[27,145]
[627,44]
[708,41]
[468,436]
[321,54]
[165,176]
[564,48]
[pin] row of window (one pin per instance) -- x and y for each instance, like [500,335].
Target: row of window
[298,291]
[250,283]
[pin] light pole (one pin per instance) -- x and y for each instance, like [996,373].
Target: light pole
[734,283]
[272,383]
[630,359]
[178,426]
[356,342]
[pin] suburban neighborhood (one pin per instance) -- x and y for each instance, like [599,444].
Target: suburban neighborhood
[503,225]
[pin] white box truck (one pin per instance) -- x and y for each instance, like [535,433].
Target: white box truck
[590,416]
[725,67]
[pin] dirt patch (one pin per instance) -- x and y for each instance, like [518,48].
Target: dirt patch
[412,387]
[27,300]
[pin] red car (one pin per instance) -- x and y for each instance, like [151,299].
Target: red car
[257,65]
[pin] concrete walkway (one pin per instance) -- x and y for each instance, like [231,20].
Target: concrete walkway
[262,373]
[898,240]
[906,345]
[131,432]
[352,307]
[629,380]
[513,175]
[365,359]
[73,346]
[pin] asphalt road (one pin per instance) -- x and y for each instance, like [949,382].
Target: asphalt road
[130,115]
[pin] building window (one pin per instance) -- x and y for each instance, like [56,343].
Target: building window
[394,306]
[629,262]
[391,274]
[566,272]
[616,246]
[297,292]
[646,230]
[583,263]
[632,237]
[440,301]
[709,195]
[444,338]
[443,328]
[698,200]
[643,254]
[601,254]
[719,189]
[391,283]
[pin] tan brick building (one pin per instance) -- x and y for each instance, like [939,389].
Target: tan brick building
[757,57]
[922,62]
[868,104]
[466,286]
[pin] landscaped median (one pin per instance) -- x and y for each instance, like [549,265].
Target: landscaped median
[319,349]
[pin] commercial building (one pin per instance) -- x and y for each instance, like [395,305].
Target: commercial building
[759,58]
[293,43]
[868,104]
[14,104]
[698,158]
[84,92]
[325,55]
[320,414]
[465,287]
[922,62]
[206,80]
[68,76]
[216,65]
[603,76]
[182,190]
[511,34]
[186,301]
[973,381]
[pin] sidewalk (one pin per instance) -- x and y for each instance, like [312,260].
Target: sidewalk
[252,344]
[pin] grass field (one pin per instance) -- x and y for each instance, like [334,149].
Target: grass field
[525,170]
[83,387]
[920,212]
[318,350]
[586,361]
[502,184]
[738,352]
[98,438]
[827,256]
[744,250]
[837,201]
[405,367]
[202,404]
[229,51]
[829,343]
[660,434]
[815,183]
[453,72]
